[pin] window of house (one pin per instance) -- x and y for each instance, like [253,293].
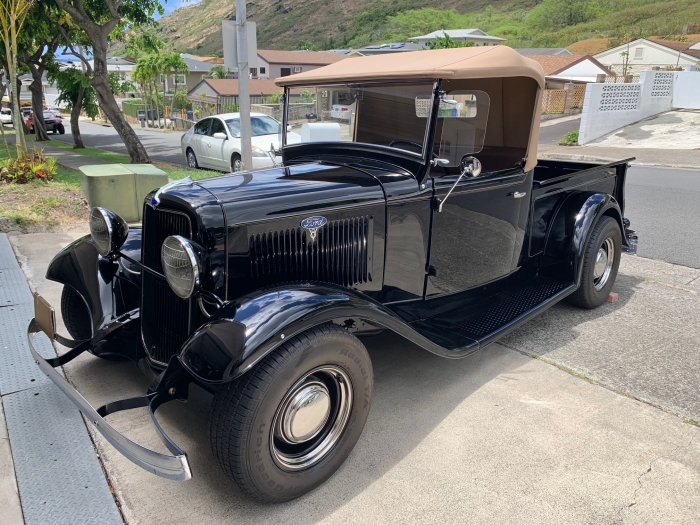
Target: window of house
[254,71]
[297,69]
[262,70]
[181,79]
[285,71]
[639,53]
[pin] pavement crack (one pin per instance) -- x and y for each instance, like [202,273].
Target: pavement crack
[620,513]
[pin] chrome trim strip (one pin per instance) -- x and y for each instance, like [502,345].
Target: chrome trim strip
[175,467]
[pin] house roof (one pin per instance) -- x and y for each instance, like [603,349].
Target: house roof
[554,64]
[198,65]
[310,58]
[227,87]
[543,51]
[683,47]
[395,47]
[456,63]
[457,33]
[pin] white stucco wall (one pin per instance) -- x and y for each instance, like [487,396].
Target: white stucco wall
[608,107]
[686,90]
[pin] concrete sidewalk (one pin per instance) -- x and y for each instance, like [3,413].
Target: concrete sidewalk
[497,437]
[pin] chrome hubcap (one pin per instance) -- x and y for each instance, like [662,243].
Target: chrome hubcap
[603,264]
[237,165]
[311,418]
[190,160]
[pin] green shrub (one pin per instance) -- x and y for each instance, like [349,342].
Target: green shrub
[571,139]
[27,168]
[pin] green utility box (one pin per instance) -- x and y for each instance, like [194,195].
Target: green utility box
[121,188]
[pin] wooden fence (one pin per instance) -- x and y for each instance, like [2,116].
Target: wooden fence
[553,101]
[579,93]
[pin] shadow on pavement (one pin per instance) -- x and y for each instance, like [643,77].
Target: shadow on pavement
[414,392]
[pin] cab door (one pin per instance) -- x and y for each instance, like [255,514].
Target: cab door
[478,237]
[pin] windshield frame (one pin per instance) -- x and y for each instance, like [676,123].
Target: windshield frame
[429,134]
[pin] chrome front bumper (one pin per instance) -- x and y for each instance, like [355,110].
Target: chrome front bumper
[175,466]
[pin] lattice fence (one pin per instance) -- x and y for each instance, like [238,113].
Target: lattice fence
[578,95]
[662,85]
[621,79]
[553,100]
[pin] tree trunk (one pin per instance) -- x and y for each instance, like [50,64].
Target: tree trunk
[108,104]
[75,120]
[22,125]
[40,134]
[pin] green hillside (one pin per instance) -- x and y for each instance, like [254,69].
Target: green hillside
[325,24]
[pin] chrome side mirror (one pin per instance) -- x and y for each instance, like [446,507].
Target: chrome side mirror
[469,166]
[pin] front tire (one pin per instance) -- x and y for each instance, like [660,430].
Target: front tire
[75,315]
[61,129]
[289,424]
[601,260]
[236,163]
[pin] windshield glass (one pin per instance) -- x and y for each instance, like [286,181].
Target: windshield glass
[380,114]
[48,114]
[259,125]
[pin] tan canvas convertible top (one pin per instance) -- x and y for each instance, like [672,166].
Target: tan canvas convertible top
[465,62]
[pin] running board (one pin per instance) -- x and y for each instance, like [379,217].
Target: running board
[483,323]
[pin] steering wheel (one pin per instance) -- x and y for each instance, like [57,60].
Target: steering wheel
[409,142]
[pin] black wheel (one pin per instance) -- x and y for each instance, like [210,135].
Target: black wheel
[192,159]
[75,314]
[61,129]
[601,260]
[236,163]
[53,131]
[289,424]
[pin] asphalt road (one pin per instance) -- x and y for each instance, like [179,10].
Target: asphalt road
[162,147]
[662,205]
[552,134]
[660,201]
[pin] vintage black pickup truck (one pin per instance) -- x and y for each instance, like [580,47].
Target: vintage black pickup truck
[423,211]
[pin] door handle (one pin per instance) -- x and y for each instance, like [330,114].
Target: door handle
[517,194]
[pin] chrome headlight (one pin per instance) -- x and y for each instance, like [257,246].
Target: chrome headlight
[108,230]
[181,265]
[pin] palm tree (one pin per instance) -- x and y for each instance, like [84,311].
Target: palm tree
[218,71]
[175,65]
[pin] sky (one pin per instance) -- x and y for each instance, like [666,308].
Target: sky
[171,5]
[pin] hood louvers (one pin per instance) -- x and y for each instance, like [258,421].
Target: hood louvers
[340,254]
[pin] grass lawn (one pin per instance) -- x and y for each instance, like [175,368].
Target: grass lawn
[35,206]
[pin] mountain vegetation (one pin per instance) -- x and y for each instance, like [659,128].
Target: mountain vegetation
[326,24]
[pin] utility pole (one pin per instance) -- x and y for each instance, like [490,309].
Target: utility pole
[243,87]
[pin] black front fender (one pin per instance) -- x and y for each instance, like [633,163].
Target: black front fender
[245,331]
[108,288]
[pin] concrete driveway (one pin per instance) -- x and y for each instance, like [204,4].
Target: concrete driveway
[498,437]
[679,129]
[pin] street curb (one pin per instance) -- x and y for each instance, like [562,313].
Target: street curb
[58,473]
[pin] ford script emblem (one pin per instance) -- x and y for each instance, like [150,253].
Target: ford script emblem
[313,224]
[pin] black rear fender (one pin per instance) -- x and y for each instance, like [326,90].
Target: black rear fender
[571,228]
[108,288]
[244,331]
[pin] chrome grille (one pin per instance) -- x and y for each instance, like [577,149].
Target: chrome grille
[339,254]
[165,318]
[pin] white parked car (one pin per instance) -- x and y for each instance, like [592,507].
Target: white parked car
[6,116]
[215,142]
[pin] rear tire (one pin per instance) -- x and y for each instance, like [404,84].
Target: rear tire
[601,260]
[191,159]
[255,430]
